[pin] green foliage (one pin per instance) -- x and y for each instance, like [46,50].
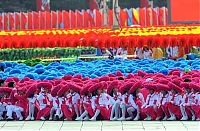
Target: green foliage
[44,53]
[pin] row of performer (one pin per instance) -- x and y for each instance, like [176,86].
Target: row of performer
[116,100]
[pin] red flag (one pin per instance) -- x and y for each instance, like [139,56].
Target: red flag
[30,20]
[53,19]
[72,19]
[35,20]
[1,25]
[166,10]
[123,18]
[23,20]
[142,16]
[17,21]
[98,18]
[110,17]
[148,16]
[91,19]
[59,18]
[5,20]
[79,19]
[66,19]
[11,21]
[154,16]
[48,19]
[42,20]
[85,19]
[161,15]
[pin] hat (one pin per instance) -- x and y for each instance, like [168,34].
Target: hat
[175,87]
[63,89]
[22,89]
[119,73]
[141,73]
[111,86]
[104,78]
[185,85]
[195,86]
[126,87]
[177,81]
[85,88]
[161,87]
[111,75]
[67,77]
[78,76]
[129,76]
[186,76]
[76,80]
[95,87]
[55,89]
[5,90]
[150,86]
[135,86]
[176,73]
[170,72]
[163,81]
[46,85]
[31,90]
[74,87]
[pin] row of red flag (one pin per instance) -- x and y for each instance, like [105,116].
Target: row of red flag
[81,19]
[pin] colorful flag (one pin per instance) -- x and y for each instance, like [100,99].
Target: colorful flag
[130,17]
[135,17]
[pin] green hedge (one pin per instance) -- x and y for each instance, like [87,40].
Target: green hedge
[29,53]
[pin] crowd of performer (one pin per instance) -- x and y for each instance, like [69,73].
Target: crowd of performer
[139,96]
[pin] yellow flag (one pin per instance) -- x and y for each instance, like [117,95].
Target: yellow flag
[136,15]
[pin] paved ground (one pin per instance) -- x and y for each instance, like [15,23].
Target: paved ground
[99,126]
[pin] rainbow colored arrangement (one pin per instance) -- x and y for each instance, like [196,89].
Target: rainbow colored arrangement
[95,69]
[183,36]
